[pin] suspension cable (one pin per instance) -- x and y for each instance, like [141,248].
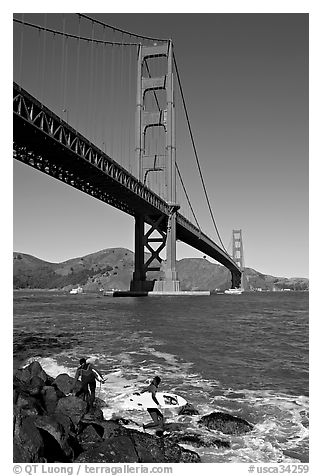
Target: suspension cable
[195,152]
[187,197]
[180,87]
[57,32]
[177,167]
[120,30]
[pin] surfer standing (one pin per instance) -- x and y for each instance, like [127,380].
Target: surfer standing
[87,372]
[155,413]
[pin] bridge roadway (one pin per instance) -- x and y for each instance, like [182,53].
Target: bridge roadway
[47,143]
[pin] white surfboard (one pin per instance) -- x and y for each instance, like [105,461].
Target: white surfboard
[144,401]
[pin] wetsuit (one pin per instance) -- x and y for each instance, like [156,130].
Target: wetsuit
[88,383]
[154,413]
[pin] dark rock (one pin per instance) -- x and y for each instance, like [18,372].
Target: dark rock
[94,415]
[65,383]
[111,428]
[37,382]
[188,409]
[188,456]
[119,449]
[176,427]
[67,423]
[28,405]
[36,370]
[158,450]
[89,436]
[132,446]
[153,450]
[73,407]
[99,403]
[226,423]
[50,399]
[54,433]
[29,446]
[22,375]
[32,375]
[197,440]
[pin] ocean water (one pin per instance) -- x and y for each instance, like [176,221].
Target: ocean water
[245,355]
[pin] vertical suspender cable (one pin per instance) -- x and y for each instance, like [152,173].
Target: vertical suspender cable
[103,117]
[111,108]
[62,68]
[65,80]
[76,93]
[38,79]
[43,63]
[53,67]
[90,95]
[129,109]
[21,51]
[122,103]
[195,152]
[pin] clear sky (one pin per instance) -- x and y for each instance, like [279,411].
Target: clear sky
[245,80]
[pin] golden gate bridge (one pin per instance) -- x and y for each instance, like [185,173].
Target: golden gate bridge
[96,107]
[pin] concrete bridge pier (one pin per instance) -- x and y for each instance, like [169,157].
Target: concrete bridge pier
[139,282]
[235,280]
[170,282]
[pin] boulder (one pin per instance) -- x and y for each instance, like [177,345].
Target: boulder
[94,415]
[27,374]
[67,423]
[37,381]
[50,399]
[188,409]
[99,403]
[188,456]
[27,404]
[110,428]
[151,449]
[65,383]
[28,446]
[197,440]
[22,375]
[89,436]
[55,435]
[73,407]
[226,423]
[36,370]
[132,446]
[119,449]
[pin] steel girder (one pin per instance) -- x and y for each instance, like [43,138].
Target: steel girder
[36,125]
[47,143]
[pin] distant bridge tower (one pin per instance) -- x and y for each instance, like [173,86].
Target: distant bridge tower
[238,256]
[162,232]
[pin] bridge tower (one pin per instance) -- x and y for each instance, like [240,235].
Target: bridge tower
[238,257]
[162,231]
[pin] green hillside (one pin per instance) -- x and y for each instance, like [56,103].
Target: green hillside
[113,268]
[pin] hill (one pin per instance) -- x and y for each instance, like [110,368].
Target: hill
[112,268]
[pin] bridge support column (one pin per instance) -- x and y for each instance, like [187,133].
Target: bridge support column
[235,280]
[238,257]
[170,282]
[163,162]
[139,282]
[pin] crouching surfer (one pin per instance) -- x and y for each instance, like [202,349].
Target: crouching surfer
[155,413]
[88,374]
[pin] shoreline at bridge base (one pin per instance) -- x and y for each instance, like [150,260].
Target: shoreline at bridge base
[129,293]
[179,293]
[157,293]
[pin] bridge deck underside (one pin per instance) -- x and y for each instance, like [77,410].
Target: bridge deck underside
[41,150]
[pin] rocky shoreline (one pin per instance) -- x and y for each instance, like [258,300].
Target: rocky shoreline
[51,425]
